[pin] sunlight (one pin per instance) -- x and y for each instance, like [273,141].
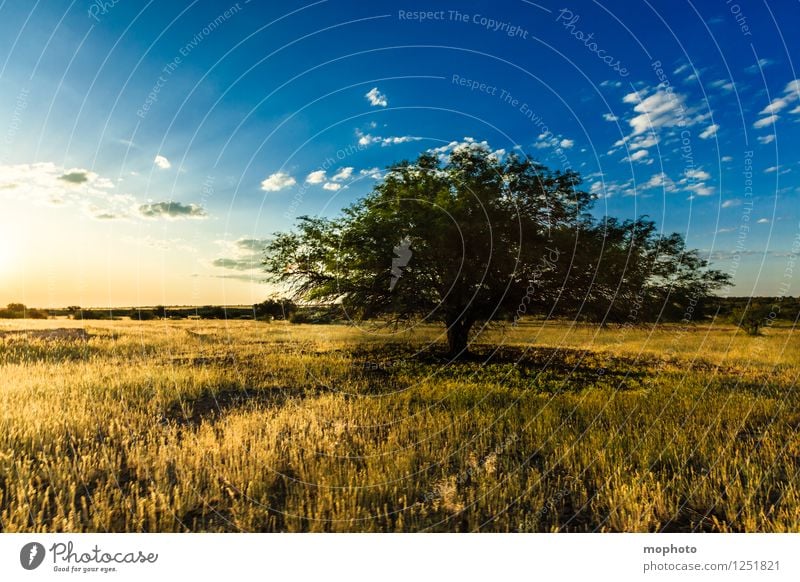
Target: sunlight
[6,253]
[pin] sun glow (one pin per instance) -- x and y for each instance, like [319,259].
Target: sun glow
[7,253]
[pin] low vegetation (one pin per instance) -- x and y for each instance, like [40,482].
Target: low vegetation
[168,426]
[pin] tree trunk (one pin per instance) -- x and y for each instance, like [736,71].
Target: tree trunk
[458,337]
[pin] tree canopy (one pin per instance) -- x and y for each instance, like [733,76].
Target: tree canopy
[475,236]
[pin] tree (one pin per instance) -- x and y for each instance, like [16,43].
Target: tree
[274,308]
[475,237]
[753,316]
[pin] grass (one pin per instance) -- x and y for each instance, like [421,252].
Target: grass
[245,426]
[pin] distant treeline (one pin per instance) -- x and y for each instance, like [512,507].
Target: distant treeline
[726,308]
[266,310]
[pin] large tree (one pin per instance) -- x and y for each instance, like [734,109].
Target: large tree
[475,236]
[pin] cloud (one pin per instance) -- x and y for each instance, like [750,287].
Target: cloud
[660,180]
[762,221]
[610,117]
[75,176]
[760,64]
[162,162]
[376,98]
[726,159]
[722,84]
[661,108]
[694,181]
[365,139]
[172,210]
[731,203]
[638,156]
[765,121]
[775,106]
[316,177]
[331,186]
[245,254]
[45,183]
[548,140]
[765,139]
[374,173]
[252,244]
[791,92]
[656,110]
[277,181]
[239,265]
[710,131]
[792,87]
[343,174]
[697,174]
[611,84]
[771,170]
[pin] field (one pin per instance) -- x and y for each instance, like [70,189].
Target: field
[248,426]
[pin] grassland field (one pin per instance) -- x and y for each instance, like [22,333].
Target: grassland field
[242,426]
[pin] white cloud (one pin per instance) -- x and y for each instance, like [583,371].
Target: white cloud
[656,110]
[366,139]
[765,121]
[638,156]
[374,173]
[774,107]
[331,186]
[343,174]
[762,221]
[701,189]
[316,177]
[761,63]
[566,143]
[697,174]
[790,94]
[765,139]
[49,184]
[610,117]
[722,84]
[726,159]
[731,203]
[694,181]
[376,98]
[710,131]
[792,87]
[162,162]
[660,180]
[771,170]
[277,181]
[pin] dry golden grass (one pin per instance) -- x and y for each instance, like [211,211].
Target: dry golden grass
[244,426]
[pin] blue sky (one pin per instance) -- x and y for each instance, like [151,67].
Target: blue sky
[150,148]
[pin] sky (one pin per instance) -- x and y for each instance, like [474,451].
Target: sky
[148,150]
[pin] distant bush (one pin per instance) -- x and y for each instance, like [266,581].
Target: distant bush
[143,314]
[313,316]
[19,311]
[274,308]
[753,317]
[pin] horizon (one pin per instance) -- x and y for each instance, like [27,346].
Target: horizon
[149,165]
